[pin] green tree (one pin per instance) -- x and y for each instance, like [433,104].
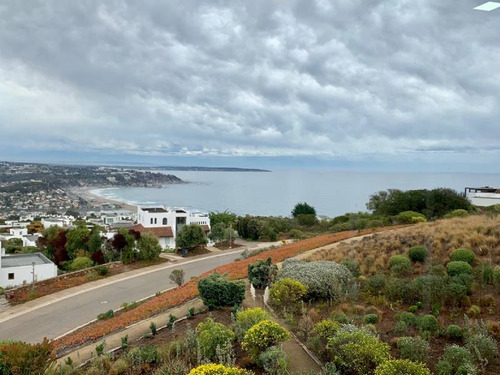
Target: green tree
[77,240]
[14,246]
[218,232]
[303,209]
[148,246]
[224,217]
[190,236]
[94,242]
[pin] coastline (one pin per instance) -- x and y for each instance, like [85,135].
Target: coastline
[97,200]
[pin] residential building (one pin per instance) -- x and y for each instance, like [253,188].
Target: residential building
[20,269]
[165,222]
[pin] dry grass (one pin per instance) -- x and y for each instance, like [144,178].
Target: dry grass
[478,233]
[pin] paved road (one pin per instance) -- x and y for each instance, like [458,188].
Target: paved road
[60,317]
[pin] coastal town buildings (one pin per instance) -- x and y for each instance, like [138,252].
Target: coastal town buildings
[165,222]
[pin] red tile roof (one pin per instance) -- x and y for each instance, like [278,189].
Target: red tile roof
[157,231]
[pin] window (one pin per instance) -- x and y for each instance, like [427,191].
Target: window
[151,221]
[164,221]
[156,221]
[11,276]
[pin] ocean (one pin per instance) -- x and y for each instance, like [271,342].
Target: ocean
[275,193]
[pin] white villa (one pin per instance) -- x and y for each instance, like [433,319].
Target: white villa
[165,222]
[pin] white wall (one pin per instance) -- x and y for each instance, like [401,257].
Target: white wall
[167,242]
[23,275]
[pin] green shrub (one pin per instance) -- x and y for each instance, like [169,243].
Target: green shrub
[403,290]
[323,280]
[457,213]
[2,291]
[107,315]
[147,354]
[212,334]
[246,319]
[357,352]
[370,319]
[297,234]
[496,275]
[454,332]
[414,348]
[102,270]
[376,283]
[437,270]
[428,323]
[287,294]
[217,291]
[80,263]
[262,336]
[400,328]
[413,308]
[463,255]
[321,332]
[352,266]
[262,273]
[418,253]
[274,361]
[410,217]
[401,270]
[398,259]
[456,268]
[400,367]
[454,358]
[482,347]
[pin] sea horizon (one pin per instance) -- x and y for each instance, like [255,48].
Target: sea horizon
[332,192]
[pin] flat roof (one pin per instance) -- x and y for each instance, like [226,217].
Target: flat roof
[19,260]
[154,209]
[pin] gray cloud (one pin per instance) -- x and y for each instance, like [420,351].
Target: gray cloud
[303,77]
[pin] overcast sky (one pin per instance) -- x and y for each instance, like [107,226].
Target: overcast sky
[367,84]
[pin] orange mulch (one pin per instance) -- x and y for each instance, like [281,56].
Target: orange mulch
[180,295]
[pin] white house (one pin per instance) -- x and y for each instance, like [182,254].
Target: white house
[22,269]
[483,196]
[165,222]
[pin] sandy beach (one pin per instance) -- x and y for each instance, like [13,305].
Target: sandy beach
[96,200]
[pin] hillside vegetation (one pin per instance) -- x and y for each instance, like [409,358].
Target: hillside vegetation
[481,234]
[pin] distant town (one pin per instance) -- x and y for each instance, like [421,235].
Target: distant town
[30,188]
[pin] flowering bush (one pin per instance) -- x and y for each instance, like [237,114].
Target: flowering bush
[357,352]
[287,293]
[321,332]
[262,336]
[211,335]
[325,280]
[246,319]
[214,369]
[402,366]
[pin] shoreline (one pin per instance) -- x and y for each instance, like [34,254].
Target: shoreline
[94,199]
